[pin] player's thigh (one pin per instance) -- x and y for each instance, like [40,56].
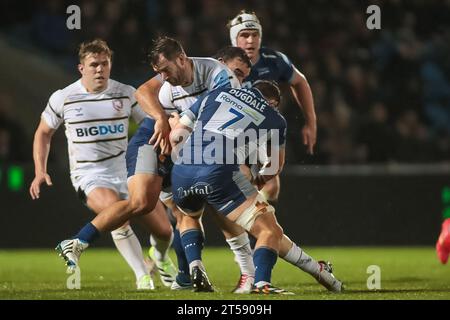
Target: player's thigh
[144,189]
[157,223]
[100,198]
[228,228]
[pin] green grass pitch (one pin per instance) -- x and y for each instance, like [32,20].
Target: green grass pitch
[406,273]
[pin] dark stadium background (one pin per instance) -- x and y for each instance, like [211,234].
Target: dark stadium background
[381,168]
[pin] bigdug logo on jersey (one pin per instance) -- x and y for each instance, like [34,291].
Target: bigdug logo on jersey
[100,130]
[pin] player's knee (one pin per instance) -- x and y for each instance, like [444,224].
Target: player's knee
[142,205]
[274,233]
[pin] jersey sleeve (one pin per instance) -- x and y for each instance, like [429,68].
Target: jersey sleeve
[189,116]
[280,131]
[136,112]
[165,98]
[221,77]
[53,112]
[285,67]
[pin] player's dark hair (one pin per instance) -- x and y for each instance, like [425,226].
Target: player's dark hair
[168,47]
[269,89]
[95,46]
[229,53]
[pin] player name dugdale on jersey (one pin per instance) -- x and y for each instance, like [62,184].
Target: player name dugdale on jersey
[249,98]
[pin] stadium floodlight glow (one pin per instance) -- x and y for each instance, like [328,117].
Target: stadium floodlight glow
[15,178]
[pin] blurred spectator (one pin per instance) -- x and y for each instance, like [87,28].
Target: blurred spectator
[13,142]
[380,95]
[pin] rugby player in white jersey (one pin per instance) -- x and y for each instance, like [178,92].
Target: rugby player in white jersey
[96,110]
[178,93]
[181,81]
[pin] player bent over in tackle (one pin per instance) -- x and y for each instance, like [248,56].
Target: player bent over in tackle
[181,81]
[227,115]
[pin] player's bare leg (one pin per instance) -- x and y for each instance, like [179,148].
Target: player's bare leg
[144,192]
[98,200]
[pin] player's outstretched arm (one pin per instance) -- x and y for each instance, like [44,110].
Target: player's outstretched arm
[304,98]
[41,149]
[147,97]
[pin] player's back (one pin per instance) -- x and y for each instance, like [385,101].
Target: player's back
[229,122]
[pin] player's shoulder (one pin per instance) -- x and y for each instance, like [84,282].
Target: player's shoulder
[117,86]
[59,97]
[207,65]
[271,54]
[206,61]
[280,118]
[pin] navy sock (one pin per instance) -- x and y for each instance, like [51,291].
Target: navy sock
[264,259]
[192,241]
[88,233]
[183,265]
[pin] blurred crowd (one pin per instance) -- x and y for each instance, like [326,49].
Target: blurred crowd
[380,95]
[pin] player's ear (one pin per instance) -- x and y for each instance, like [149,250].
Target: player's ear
[182,58]
[80,68]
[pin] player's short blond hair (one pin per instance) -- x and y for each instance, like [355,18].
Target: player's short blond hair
[94,46]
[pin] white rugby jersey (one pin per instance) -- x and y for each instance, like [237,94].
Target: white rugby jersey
[209,74]
[96,125]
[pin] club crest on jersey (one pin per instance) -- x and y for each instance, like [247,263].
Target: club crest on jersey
[79,113]
[117,104]
[263,71]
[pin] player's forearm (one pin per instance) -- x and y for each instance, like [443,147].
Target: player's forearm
[41,150]
[147,97]
[304,98]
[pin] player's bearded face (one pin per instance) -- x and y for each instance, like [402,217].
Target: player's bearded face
[170,71]
[250,41]
[95,71]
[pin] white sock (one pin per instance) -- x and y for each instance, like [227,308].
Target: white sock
[302,260]
[196,263]
[129,247]
[240,246]
[161,247]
